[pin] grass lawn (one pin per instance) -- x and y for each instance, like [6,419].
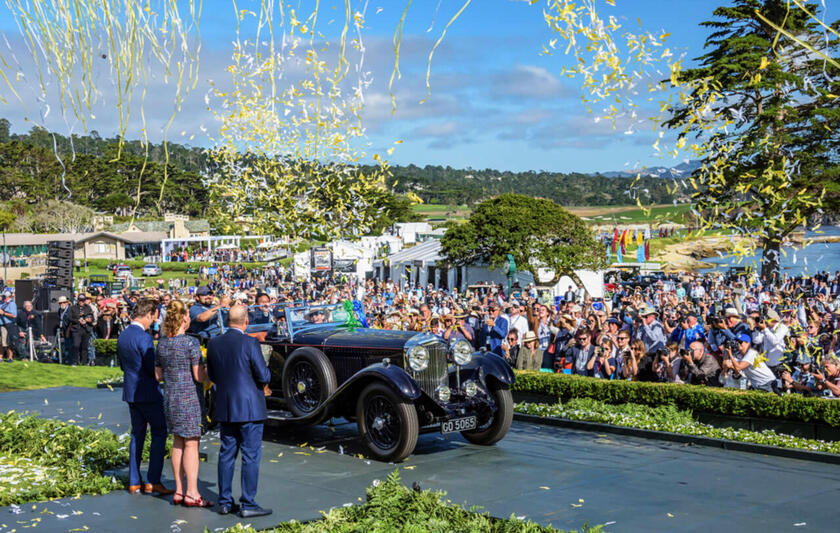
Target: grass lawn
[23,375]
[660,213]
[438,211]
[139,280]
[614,214]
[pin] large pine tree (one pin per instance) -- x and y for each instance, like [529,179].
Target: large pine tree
[774,165]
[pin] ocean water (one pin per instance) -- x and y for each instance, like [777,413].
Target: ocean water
[795,261]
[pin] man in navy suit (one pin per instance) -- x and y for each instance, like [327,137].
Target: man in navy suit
[496,327]
[136,352]
[236,365]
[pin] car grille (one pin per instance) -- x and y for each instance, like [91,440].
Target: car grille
[436,374]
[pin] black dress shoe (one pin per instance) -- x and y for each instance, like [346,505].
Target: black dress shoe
[251,513]
[228,509]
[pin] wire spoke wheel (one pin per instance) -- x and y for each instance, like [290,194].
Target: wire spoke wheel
[308,382]
[387,423]
[383,421]
[306,386]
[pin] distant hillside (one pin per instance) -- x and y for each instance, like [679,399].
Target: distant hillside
[29,171]
[449,186]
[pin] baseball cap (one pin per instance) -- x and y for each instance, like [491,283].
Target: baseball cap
[204,290]
[743,337]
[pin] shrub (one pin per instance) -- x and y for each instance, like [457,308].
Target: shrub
[390,506]
[44,459]
[667,418]
[105,348]
[695,398]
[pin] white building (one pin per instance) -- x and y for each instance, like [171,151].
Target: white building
[408,231]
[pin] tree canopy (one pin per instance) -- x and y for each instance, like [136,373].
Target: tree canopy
[765,110]
[538,233]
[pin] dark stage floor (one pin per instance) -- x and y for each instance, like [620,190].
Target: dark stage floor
[550,475]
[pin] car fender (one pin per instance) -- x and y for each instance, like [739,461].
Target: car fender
[484,365]
[392,375]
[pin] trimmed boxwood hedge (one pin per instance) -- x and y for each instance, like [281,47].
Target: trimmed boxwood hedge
[105,348]
[695,398]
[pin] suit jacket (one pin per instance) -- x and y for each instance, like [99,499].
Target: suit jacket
[136,353]
[236,365]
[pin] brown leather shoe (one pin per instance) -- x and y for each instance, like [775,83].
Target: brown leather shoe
[157,489]
[134,489]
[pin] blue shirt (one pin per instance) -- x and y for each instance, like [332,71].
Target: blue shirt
[205,329]
[8,306]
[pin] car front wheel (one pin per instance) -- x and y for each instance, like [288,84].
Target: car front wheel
[492,431]
[387,423]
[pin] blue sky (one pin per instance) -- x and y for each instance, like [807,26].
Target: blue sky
[495,103]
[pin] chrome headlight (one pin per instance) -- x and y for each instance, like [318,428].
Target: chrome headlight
[418,358]
[462,352]
[443,393]
[470,388]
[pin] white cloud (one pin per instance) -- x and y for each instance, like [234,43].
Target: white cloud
[528,81]
[444,128]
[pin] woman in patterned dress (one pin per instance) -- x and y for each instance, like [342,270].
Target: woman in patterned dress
[180,367]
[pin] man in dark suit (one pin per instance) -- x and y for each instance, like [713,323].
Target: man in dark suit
[236,365]
[136,352]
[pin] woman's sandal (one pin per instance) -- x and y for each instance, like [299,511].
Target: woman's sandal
[177,498]
[200,502]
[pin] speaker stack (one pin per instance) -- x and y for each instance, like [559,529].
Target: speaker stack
[60,264]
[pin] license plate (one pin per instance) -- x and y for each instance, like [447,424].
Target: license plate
[458,424]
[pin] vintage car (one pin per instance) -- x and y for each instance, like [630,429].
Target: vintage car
[393,384]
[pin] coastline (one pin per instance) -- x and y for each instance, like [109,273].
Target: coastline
[688,255]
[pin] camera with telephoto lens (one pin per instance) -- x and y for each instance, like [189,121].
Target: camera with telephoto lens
[732,345]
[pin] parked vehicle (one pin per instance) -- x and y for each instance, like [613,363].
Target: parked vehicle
[122,271]
[393,384]
[152,269]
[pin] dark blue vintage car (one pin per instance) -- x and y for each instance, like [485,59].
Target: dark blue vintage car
[393,384]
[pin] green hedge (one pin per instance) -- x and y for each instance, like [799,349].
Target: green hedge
[695,398]
[105,347]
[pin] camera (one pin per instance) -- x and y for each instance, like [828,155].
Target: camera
[732,345]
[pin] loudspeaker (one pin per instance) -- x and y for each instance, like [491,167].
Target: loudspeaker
[48,298]
[60,262]
[51,323]
[26,289]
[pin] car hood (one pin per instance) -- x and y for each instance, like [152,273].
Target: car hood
[359,337]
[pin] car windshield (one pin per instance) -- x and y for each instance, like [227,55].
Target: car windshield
[150,266]
[304,317]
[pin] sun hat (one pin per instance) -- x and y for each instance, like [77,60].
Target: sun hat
[529,337]
[647,310]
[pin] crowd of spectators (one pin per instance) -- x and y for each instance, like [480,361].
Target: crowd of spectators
[778,337]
